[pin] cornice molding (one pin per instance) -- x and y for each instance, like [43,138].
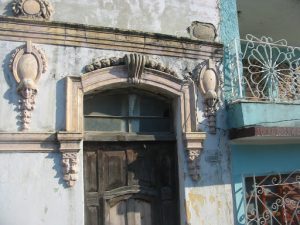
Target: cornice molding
[40,141]
[78,35]
[28,142]
[67,143]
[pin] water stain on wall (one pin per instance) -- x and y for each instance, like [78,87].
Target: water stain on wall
[196,201]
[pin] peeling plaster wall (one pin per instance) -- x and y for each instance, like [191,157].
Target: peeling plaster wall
[37,176]
[209,201]
[31,184]
[209,205]
[159,16]
[229,31]
[229,27]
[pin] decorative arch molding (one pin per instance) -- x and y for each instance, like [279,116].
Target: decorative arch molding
[132,74]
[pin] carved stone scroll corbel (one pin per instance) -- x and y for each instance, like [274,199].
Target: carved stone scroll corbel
[27,64]
[194,146]
[208,85]
[69,147]
[136,64]
[70,167]
[33,9]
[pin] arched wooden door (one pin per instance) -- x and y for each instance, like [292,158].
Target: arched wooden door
[132,182]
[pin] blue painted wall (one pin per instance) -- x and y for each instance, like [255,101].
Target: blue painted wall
[229,31]
[259,160]
[253,159]
[245,114]
[229,28]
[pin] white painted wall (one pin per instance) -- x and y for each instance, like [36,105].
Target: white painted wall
[159,16]
[32,191]
[30,184]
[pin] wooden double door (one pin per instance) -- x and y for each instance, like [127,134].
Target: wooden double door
[131,183]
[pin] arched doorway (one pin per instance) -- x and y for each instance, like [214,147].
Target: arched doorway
[121,150]
[130,158]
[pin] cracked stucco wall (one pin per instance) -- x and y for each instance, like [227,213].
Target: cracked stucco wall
[159,16]
[207,202]
[37,177]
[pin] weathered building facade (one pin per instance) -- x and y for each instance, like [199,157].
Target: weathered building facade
[149,112]
[113,113]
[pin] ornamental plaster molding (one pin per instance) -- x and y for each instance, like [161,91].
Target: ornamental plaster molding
[28,142]
[159,66]
[85,36]
[194,146]
[67,143]
[208,84]
[70,143]
[33,9]
[27,64]
[202,31]
[136,64]
[70,168]
[100,63]
[118,76]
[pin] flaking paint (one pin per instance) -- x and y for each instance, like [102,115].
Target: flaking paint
[208,202]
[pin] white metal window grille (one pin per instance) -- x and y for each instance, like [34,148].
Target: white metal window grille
[264,70]
[273,199]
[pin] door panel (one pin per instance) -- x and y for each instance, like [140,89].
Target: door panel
[91,178]
[115,170]
[130,212]
[117,214]
[132,183]
[92,215]
[139,212]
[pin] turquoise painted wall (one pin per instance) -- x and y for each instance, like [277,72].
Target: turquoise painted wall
[255,159]
[245,114]
[229,31]
[229,28]
[259,160]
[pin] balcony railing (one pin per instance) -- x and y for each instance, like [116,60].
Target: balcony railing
[263,70]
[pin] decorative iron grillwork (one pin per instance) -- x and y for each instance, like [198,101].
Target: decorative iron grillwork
[263,70]
[273,199]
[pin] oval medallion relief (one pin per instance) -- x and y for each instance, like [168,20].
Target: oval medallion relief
[32,7]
